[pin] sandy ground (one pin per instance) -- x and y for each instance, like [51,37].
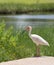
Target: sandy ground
[31,61]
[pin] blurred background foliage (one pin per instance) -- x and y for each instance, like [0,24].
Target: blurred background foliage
[23,6]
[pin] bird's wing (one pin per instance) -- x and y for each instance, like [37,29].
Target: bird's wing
[38,40]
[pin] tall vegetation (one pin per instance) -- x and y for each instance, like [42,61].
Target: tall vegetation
[11,44]
[14,45]
[22,6]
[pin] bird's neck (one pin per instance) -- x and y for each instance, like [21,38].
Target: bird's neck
[30,33]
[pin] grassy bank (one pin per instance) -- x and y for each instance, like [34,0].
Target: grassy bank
[22,6]
[13,45]
[27,2]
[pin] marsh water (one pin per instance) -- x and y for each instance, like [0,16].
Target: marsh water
[21,21]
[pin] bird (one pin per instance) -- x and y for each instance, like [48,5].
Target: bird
[38,40]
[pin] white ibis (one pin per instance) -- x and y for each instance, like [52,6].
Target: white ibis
[38,40]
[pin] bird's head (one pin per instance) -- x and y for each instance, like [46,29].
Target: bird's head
[28,28]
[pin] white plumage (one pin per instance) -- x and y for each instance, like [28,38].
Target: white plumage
[38,40]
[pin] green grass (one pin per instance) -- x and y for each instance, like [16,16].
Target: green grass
[22,6]
[12,8]
[13,45]
[26,2]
